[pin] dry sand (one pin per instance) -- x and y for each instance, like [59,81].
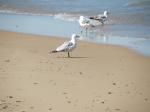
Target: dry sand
[99,78]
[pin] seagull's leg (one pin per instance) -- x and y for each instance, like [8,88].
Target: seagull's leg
[81,32]
[86,32]
[68,55]
[102,23]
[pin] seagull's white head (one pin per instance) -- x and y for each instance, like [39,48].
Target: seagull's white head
[105,13]
[81,18]
[74,37]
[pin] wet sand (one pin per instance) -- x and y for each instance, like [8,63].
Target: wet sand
[98,78]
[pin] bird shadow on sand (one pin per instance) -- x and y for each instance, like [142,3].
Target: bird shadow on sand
[77,57]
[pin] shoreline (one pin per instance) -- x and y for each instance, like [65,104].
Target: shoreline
[106,78]
[116,34]
[63,38]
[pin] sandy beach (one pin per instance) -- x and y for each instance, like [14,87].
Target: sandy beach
[98,78]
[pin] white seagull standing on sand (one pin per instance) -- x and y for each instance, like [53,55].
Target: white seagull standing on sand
[85,23]
[67,46]
[101,18]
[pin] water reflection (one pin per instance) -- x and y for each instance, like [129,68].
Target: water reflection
[103,36]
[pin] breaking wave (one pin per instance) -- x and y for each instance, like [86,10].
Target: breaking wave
[61,16]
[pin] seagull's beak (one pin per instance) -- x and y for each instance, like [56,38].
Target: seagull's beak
[78,37]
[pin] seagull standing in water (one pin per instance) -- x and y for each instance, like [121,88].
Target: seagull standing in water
[101,18]
[67,46]
[85,23]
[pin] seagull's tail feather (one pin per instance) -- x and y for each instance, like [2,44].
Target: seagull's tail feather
[54,51]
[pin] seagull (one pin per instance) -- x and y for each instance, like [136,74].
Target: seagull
[101,18]
[67,46]
[85,23]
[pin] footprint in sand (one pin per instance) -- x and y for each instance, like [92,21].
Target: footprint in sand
[6,107]
[114,83]
[2,101]
[64,93]
[66,97]
[117,109]
[7,60]
[9,104]
[103,102]
[32,107]
[35,83]
[68,101]
[50,109]
[80,73]
[98,100]
[18,101]
[146,99]
[10,96]
[109,93]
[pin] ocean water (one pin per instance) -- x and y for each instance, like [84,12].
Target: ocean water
[128,21]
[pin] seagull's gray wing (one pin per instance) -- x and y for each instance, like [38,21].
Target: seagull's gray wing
[103,17]
[65,47]
[86,20]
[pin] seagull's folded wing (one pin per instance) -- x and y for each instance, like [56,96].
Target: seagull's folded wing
[86,20]
[103,17]
[64,47]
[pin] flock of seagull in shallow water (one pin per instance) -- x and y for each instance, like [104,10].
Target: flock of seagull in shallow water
[84,22]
